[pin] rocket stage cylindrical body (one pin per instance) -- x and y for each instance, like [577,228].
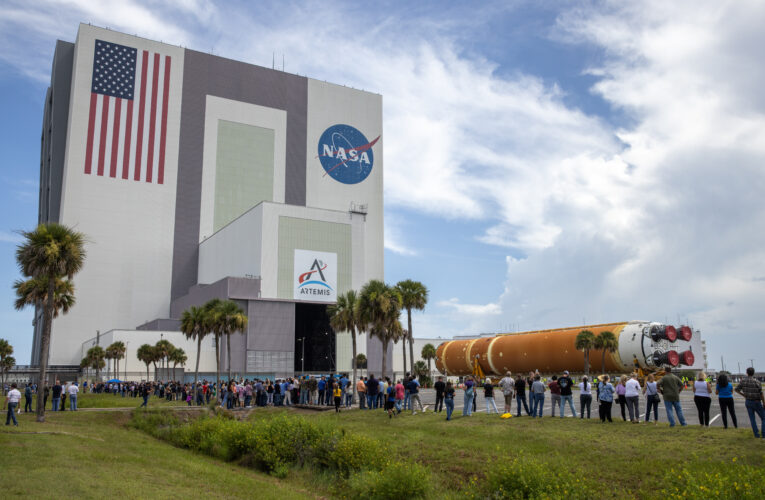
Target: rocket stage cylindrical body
[553,351]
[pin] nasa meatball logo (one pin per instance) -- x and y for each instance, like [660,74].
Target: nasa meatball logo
[345,154]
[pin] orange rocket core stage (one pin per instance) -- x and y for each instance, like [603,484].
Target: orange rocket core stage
[549,351]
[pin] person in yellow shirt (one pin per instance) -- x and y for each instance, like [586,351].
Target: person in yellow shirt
[338,394]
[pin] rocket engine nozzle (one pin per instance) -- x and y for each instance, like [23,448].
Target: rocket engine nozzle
[685,333]
[660,332]
[687,358]
[671,358]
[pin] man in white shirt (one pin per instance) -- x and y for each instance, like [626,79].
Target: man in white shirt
[11,402]
[508,388]
[73,390]
[632,394]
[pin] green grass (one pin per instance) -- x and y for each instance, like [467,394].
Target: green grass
[97,453]
[92,400]
[94,455]
[631,459]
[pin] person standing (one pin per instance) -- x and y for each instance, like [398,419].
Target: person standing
[605,399]
[566,384]
[529,382]
[488,396]
[670,387]
[338,395]
[508,389]
[554,395]
[702,397]
[724,391]
[449,400]
[144,390]
[373,387]
[73,390]
[400,390]
[414,395]
[467,403]
[390,398]
[621,389]
[651,399]
[28,398]
[585,396]
[11,402]
[538,392]
[751,389]
[632,395]
[361,389]
[439,386]
[520,395]
[322,389]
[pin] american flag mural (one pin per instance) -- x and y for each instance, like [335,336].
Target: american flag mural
[127,123]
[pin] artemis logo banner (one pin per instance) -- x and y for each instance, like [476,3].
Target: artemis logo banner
[315,276]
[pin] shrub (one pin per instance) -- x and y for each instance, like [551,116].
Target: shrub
[158,423]
[730,481]
[398,480]
[521,478]
[354,452]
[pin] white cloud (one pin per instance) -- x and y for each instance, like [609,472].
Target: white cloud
[8,237]
[471,309]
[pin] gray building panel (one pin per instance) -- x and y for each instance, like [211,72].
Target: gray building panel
[374,356]
[52,149]
[204,75]
[271,326]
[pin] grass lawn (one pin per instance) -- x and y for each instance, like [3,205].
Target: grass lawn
[629,460]
[93,455]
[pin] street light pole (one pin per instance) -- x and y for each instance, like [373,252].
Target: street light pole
[302,355]
[127,348]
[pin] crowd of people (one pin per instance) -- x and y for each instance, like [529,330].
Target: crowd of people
[528,393]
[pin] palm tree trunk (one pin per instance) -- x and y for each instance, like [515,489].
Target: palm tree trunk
[228,355]
[45,345]
[411,339]
[147,372]
[384,359]
[403,346]
[217,366]
[603,362]
[353,346]
[196,370]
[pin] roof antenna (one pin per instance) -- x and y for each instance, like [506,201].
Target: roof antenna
[282,61]
[273,60]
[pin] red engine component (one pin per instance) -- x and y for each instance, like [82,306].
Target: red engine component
[659,332]
[687,358]
[685,333]
[671,358]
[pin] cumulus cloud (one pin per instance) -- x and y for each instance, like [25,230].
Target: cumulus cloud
[471,309]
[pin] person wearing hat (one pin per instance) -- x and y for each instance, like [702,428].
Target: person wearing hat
[566,384]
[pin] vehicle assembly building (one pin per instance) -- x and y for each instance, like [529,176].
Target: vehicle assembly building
[195,177]
[641,344]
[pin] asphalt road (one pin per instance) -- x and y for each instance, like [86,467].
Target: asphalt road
[428,397]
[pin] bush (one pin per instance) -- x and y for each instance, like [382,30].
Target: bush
[522,478]
[353,452]
[158,423]
[729,481]
[397,480]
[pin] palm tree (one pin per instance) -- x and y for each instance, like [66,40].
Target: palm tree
[95,357]
[6,360]
[233,320]
[607,342]
[34,291]
[108,356]
[344,317]
[585,340]
[118,350]
[420,369]
[145,353]
[361,360]
[214,325]
[429,353]
[52,251]
[194,325]
[414,295]
[163,349]
[379,309]
[178,357]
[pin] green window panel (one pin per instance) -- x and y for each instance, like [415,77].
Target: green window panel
[305,234]
[244,170]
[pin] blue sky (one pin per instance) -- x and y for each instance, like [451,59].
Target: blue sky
[547,163]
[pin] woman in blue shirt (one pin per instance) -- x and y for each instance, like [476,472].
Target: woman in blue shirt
[605,398]
[724,390]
